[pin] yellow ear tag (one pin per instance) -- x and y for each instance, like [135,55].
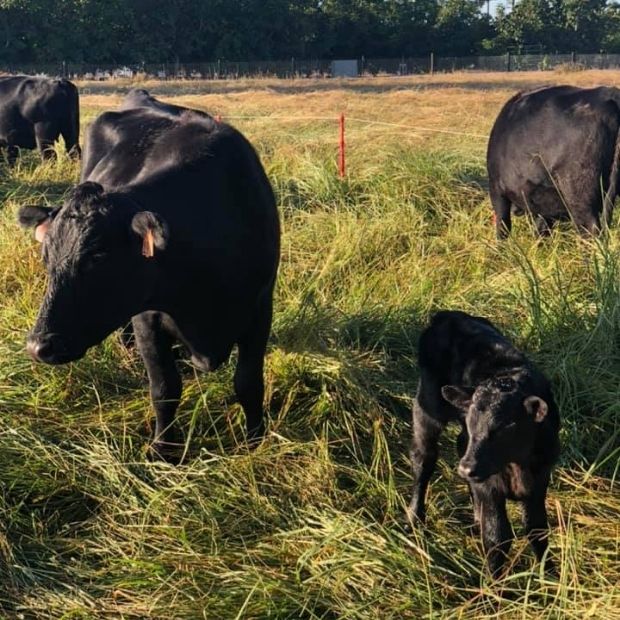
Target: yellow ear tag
[148,244]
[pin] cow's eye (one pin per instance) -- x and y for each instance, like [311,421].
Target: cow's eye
[89,263]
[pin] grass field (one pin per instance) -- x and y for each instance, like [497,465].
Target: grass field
[308,526]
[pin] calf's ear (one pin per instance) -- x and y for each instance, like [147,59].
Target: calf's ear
[536,407]
[38,217]
[152,229]
[459,397]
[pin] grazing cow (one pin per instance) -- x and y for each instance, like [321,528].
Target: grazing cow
[553,153]
[35,112]
[175,225]
[470,373]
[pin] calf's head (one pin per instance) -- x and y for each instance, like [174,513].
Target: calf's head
[100,252]
[501,417]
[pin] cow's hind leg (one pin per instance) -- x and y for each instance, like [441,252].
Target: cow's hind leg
[12,153]
[501,208]
[544,226]
[249,380]
[46,134]
[424,453]
[155,345]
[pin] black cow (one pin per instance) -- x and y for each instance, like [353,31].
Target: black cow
[553,153]
[175,225]
[35,112]
[509,441]
[140,98]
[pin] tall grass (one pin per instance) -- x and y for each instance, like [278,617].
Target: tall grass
[309,524]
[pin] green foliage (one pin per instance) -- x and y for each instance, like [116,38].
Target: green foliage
[152,31]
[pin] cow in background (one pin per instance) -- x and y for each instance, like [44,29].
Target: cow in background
[35,112]
[554,153]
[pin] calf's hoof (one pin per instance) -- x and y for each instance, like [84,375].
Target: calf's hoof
[166,451]
[413,520]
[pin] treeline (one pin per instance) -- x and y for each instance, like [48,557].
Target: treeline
[134,31]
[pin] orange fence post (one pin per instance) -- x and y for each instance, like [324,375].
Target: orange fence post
[341,157]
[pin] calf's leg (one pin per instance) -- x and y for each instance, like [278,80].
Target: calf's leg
[461,447]
[536,526]
[155,345]
[249,380]
[424,452]
[495,527]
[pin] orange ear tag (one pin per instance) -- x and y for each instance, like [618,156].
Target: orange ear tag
[148,244]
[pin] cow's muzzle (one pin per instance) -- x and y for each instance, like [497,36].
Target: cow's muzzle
[50,349]
[472,472]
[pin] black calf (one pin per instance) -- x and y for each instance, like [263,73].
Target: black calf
[509,441]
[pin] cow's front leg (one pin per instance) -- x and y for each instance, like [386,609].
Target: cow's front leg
[249,380]
[424,452]
[494,526]
[155,343]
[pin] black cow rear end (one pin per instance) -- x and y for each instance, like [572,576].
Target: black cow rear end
[553,153]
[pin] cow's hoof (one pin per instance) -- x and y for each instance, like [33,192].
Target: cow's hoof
[166,451]
[255,437]
[411,522]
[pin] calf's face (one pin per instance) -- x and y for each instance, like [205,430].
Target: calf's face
[500,418]
[99,253]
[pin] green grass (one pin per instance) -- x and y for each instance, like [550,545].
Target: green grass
[309,524]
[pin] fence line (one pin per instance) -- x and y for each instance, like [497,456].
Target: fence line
[341,120]
[351,119]
[317,68]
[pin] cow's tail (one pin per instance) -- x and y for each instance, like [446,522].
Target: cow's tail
[612,190]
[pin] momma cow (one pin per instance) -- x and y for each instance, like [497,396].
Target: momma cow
[35,112]
[553,153]
[471,374]
[174,223]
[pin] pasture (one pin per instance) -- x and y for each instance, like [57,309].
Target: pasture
[309,525]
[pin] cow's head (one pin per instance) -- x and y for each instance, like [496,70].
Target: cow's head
[500,416]
[101,255]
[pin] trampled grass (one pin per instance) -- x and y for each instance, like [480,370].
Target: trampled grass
[309,524]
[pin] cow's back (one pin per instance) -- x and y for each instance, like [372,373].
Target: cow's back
[140,98]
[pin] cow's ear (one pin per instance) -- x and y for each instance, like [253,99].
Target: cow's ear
[536,407]
[153,231]
[38,218]
[459,397]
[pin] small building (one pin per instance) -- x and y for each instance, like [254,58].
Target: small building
[345,68]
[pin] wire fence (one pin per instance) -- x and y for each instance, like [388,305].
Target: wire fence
[295,68]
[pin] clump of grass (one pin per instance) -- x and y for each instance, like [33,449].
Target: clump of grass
[309,524]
